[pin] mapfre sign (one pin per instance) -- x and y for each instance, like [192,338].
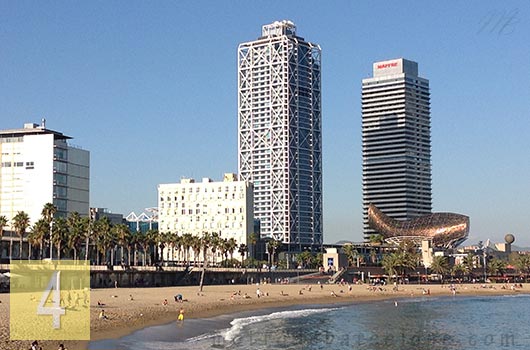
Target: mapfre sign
[387,65]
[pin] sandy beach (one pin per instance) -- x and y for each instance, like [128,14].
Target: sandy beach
[130,309]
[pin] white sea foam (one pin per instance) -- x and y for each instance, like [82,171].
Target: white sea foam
[238,323]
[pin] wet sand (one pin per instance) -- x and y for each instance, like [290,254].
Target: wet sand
[130,309]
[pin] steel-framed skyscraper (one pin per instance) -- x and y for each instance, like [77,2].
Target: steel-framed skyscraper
[280,134]
[396,140]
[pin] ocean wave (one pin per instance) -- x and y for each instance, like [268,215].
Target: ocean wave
[239,323]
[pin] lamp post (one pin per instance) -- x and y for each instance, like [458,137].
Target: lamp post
[51,240]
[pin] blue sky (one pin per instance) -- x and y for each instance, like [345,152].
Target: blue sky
[150,88]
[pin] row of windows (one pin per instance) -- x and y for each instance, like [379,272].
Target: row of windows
[195,198]
[29,165]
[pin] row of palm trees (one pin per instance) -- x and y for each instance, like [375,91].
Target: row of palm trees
[405,259]
[80,237]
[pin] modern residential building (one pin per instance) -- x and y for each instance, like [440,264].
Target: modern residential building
[100,213]
[280,134]
[224,207]
[39,166]
[396,141]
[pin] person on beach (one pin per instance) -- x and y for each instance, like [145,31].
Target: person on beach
[102,315]
[164,302]
[35,346]
[181,315]
[258,293]
[61,347]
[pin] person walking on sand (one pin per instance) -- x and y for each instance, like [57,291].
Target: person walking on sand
[258,293]
[181,315]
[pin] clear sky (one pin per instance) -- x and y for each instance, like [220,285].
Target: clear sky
[150,89]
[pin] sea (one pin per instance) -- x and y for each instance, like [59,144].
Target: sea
[430,323]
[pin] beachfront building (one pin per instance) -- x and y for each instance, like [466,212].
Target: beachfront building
[144,222]
[396,142]
[39,166]
[224,207]
[280,135]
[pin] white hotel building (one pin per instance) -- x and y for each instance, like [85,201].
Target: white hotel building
[38,166]
[225,207]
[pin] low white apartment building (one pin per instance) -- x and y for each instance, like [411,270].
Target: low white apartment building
[225,207]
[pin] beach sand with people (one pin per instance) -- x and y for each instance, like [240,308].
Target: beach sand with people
[130,309]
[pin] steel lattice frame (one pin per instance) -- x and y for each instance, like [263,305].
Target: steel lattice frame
[279,135]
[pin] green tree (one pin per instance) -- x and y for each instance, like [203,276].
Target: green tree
[440,265]
[59,235]
[391,263]
[103,238]
[242,250]
[272,248]
[253,240]
[3,223]
[522,264]
[76,232]
[231,247]
[20,224]
[376,239]
[496,266]
[351,253]
[305,259]
[123,237]
[187,242]
[459,270]
[38,233]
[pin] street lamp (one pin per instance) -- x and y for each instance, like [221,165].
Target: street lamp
[51,241]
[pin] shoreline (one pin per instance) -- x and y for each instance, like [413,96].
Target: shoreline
[147,307]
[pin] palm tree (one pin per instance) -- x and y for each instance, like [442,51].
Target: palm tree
[215,242]
[391,263]
[76,232]
[59,235]
[351,253]
[20,224]
[253,240]
[38,232]
[3,223]
[440,265]
[305,259]
[196,247]
[187,241]
[146,241]
[272,246]
[522,263]
[376,239]
[496,266]
[459,270]
[242,250]
[88,224]
[103,237]
[205,241]
[48,212]
[231,247]
[123,236]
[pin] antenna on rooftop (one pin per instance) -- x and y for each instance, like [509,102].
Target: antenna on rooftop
[43,123]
